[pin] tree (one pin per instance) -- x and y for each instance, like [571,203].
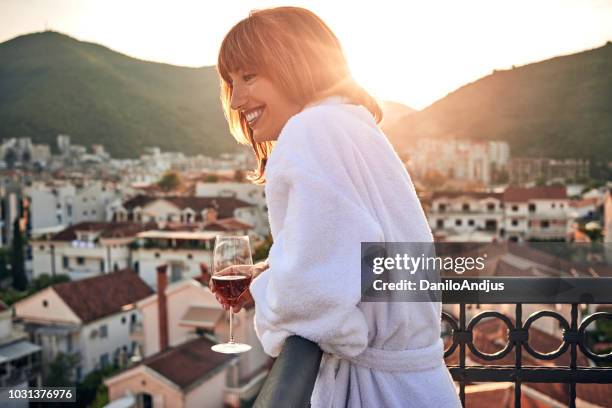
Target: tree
[170,181]
[10,157]
[4,273]
[61,370]
[20,281]
[263,249]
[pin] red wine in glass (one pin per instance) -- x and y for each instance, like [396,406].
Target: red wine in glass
[232,268]
[230,287]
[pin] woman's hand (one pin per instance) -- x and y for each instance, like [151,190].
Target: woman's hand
[245,300]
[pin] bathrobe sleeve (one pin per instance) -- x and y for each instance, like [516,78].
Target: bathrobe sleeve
[313,285]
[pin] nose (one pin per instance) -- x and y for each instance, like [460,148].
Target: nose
[239,97]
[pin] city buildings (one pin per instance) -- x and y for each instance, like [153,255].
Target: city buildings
[517,214]
[179,323]
[90,319]
[86,249]
[20,360]
[476,161]
[524,171]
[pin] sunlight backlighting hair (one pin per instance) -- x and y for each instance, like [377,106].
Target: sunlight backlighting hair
[294,48]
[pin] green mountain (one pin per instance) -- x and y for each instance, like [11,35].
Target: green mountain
[561,107]
[51,83]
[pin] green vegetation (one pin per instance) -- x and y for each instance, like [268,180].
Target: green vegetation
[559,108]
[92,392]
[10,295]
[170,181]
[263,249]
[60,371]
[20,281]
[51,83]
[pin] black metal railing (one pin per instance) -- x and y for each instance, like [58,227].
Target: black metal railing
[291,380]
[520,291]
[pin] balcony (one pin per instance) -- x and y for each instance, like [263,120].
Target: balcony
[292,378]
[136,332]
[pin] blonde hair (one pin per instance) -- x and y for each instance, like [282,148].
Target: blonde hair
[293,47]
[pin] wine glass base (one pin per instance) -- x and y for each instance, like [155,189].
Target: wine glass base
[231,348]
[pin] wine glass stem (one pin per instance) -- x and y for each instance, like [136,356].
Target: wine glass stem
[231,324]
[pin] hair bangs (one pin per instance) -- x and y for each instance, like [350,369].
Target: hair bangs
[241,50]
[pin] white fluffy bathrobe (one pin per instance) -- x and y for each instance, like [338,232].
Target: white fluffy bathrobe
[333,181]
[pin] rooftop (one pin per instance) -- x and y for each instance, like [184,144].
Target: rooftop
[103,295]
[189,363]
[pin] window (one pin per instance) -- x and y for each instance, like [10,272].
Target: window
[101,265]
[515,208]
[80,260]
[69,342]
[122,319]
[490,207]
[157,254]
[442,207]
[65,262]
[133,318]
[465,207]
[552,205]
[104,360]
[42,247]
[545,224]
[471,223]
[515,223]
[103,331]
[439,223]
[45,303]
[189,256]
[532,207]
[458,222]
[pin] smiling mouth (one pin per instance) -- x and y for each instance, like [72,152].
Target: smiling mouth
[253,115]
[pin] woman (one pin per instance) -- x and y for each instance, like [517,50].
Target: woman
[332,182]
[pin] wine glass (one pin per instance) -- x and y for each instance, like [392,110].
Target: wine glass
[232,264]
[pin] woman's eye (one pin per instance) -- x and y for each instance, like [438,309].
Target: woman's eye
[248,77]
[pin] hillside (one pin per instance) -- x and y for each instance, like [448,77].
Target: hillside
[392,113]
[51,83]
[561,107]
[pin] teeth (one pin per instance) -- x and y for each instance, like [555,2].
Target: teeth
[252,116]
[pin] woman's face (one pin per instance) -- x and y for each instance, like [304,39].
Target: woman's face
[264,106]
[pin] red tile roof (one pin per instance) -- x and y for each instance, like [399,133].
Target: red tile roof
[106,229]
[477,195]
[523,194]
[225,205]
[226,224]
[188,363]
[100,296]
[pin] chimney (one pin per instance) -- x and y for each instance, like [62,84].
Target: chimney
[211,215]
[204,274]
[162,307]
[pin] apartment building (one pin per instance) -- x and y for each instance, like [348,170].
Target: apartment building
[90,319]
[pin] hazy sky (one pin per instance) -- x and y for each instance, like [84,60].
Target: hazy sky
[413,52]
